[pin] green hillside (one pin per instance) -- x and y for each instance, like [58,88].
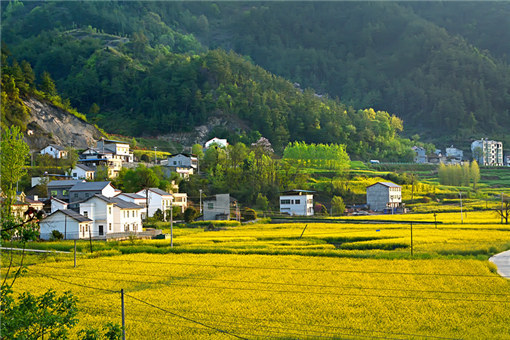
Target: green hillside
[149,68]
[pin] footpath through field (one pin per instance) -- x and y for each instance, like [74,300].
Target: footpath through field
[502,261]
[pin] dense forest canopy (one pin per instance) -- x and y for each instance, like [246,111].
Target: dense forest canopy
[158,67]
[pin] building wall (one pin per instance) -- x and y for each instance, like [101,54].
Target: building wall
[301,205]
[379,196]
[220,206]
[100,213]
[63,223]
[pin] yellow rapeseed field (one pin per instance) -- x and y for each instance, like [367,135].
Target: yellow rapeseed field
[190,296]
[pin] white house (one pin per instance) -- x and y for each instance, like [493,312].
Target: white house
[119,149]
[420,154]
[180,200]
[487,152]
[55,151]
[68,222]
[111,215]
[454,153]
[182,163]
[157,199]
[384,195]
[297,202]
[219,207]
[81,171]
[216,141]
[136,199]
[57,204]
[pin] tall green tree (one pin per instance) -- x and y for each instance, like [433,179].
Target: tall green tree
[474,172]
[14,152]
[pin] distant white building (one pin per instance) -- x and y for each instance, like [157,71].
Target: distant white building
[158,199]
[384,195]
[68,222]
[111,215]
[81,171]
[57,204]
[454,153]
[216,141]
[488,152]
[119,149]
[55,151]
[297,202]
[420,154]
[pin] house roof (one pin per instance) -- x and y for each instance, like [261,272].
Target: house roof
[84,167]
[73,214]
[33,202]
[117,201]
[386,184]
[132,195]
[64,183]
[90,186]
[59,201]
[297,192]
[55,146]
[157,191]
[182,153]
[112,141]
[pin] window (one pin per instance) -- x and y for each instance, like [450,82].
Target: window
[109,226]
[75,195]
[53,192]
[75,174]
[86,213]
[110,210]
[297,202]
[65,192]
[133,214]
[210,206]
[87,194]
[285,202]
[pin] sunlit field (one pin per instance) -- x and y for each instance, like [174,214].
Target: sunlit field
[255,296]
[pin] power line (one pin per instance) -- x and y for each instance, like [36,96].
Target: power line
[293,291]
[274,283]
[185,318]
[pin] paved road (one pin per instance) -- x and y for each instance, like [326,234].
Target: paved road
[502,261]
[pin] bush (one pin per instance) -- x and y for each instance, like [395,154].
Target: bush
[249,214]
[262,203]
[190,214]
[56,235]
[320,209]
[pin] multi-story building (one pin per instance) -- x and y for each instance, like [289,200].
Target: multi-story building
[384,195]
[487,152]
[297,202]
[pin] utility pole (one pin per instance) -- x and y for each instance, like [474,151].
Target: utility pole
[461,216]
[155,156]
[65,227]
[200,200]
[123,315]
[171,224]
[412,253]
[74,253]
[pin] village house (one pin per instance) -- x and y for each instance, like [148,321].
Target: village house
[57,204]
[111,215]
[420,154]
[219,207]
[222,143]
[454,154]
[81,171]
[297,202]
[60,189]
[180,200]
[23,203]
[119,149]
[84,190]
[136,199]
[157,200]
[94,157]
[487,152]
[55,151]
[69,223]
[384,196]
[182,164]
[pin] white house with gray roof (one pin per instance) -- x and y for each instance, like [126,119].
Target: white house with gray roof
[68,222]
[384,195]
[157,199]
[111,215]
[55,151]
[81,171]
[297,202]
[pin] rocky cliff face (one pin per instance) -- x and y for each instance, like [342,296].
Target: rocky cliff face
[50,124]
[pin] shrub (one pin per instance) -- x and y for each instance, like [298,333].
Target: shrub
[249,214]
[190,214]
[56,235]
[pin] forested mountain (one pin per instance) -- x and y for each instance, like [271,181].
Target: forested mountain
[154,67]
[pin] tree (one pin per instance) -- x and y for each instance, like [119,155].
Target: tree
[190,214]
[48,85]
[474,172]
[13,154]
[261,202]
[71,160]
[197,150]
[101,173]
[337,206]
[249,214]
[504,210]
